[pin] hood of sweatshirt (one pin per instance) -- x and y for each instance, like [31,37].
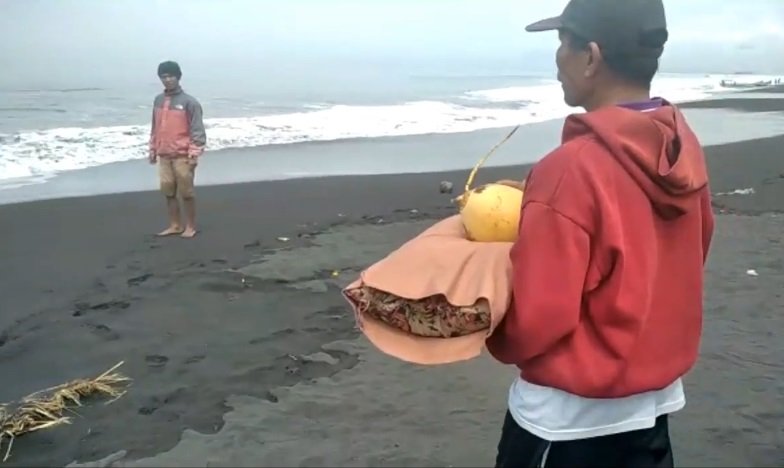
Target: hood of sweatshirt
[656,148]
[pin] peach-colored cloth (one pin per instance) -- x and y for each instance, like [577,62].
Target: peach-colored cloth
[439,261]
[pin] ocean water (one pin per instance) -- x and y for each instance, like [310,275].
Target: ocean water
[45,131]
[79,78]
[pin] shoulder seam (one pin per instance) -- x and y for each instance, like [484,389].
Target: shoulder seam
[580,144]
[560,214]
[191,99]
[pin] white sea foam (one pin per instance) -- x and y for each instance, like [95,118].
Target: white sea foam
[39,154]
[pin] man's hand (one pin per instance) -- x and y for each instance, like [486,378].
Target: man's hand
[512,183]
[153,157]
[194,151]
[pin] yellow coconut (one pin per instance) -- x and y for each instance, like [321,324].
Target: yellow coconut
[490,213]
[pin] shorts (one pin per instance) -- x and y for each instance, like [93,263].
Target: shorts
[177,175]
[636,449]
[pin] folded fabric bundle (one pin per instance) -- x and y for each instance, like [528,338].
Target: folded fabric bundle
[432,316]
[435,299]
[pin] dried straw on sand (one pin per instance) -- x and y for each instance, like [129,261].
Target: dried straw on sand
[44,409]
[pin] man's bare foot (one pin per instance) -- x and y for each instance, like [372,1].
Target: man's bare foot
[170,231]
[188,233]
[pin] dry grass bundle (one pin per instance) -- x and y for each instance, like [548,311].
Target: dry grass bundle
[44,409]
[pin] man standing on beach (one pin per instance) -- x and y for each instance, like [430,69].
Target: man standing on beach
[615,228]
[177,139]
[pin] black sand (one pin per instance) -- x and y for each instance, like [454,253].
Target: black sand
[270,371]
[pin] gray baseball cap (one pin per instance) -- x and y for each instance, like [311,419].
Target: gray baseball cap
[622,27]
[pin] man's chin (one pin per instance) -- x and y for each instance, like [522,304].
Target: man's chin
[570,100]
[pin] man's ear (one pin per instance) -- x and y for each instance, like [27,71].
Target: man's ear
[594,59]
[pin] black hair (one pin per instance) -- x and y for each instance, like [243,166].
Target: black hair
[170,67]
[638,69]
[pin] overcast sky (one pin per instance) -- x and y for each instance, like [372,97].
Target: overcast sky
[74,37]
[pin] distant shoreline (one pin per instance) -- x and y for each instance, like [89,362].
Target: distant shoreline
[113,127]
[428,153]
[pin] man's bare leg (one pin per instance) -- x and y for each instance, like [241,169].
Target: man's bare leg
[175,224]
[190,217]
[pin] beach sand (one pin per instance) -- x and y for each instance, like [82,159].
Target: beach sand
[778,89]
[244,354]
[748,104]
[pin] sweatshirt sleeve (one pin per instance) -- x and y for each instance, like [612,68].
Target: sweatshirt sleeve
[151,144]
[708,223]
[550,262]
[198,133]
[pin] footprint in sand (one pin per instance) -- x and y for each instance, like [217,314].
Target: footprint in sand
[81,308]
[195,359]
[103,331]
[137,280]
[156,360]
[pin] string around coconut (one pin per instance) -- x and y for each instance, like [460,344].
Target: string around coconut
[45,409]
[462,198]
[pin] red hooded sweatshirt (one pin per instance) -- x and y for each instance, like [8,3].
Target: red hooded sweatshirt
[608,268]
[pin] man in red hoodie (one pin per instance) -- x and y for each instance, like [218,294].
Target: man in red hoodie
[608,269]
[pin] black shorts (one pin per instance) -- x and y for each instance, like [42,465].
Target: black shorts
[643,448]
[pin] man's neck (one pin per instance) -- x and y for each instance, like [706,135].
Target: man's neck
[618,96]
[176,90]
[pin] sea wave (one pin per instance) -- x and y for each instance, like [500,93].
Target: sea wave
[42,153]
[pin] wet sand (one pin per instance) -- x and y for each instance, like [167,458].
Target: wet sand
[271,371]
[778,89]
[740,103]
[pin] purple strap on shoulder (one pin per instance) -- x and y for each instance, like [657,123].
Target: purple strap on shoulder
[644,106]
